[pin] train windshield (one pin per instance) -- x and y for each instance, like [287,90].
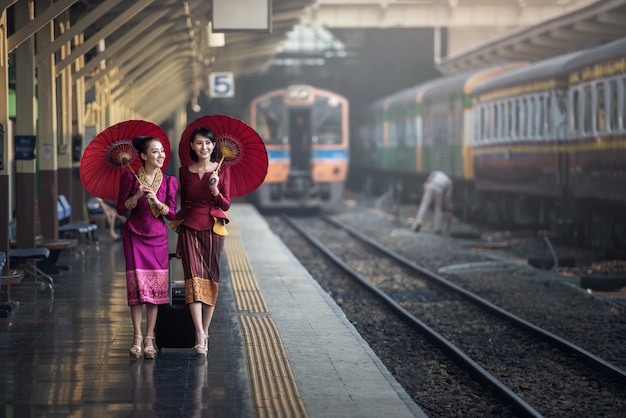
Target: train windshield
[270,117]
[326,120]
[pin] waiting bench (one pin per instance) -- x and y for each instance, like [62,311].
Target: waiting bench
[41,262]
[27,258]
[67,229]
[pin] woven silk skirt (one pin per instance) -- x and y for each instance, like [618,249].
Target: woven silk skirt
[200,252]
[147,260]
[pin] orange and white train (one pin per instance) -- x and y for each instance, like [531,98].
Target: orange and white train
[306,133]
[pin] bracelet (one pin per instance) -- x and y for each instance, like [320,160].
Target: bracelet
[164,210]
[129,205]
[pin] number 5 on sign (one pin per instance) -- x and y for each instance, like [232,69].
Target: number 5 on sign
[221,85]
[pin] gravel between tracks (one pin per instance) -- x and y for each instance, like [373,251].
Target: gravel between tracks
[549,299]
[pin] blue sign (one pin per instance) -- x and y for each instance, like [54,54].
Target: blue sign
[25,147]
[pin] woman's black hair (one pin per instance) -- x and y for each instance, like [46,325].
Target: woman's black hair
[206,133]
[140,143]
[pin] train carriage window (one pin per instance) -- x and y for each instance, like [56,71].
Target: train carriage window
[503,128]
[483,121]
[549,116]
[509,120]
[496,122]
[378,135]
[560,114]
[600,108]
[541,113]
[587,113]
[622,92]
[326,123]
[532,117]
[478,124]
[269,120]
[522,120]
[486,122]
[410,132]
[575,111]
[622,100]
[392,127]
[517,116]
[613,106]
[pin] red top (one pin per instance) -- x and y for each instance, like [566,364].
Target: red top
[198,205]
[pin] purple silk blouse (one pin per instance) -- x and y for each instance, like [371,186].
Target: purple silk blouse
[141,220]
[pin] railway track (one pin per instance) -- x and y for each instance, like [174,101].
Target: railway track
[527,370]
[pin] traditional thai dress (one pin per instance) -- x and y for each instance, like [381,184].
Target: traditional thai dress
[199,247]
[144,238]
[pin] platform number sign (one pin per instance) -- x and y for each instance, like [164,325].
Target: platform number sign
[221,85]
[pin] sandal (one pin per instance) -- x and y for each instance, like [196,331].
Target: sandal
[201,349]
[135,350]
[149,352]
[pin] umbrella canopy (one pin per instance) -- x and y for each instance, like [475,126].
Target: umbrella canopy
[240,148]
[111,153]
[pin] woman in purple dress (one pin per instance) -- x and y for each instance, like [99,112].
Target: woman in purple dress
[150,201]
[204,196]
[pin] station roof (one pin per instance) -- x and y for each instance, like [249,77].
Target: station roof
[157,55]
[592,24]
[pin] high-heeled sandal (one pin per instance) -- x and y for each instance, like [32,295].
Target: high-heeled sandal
[201,349]
[149,352]
[135,350]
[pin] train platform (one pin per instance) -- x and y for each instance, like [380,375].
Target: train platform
[279,346]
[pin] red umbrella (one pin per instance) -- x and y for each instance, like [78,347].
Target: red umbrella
[111,153]
[240,148]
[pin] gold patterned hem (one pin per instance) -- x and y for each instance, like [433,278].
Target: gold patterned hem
[201,290]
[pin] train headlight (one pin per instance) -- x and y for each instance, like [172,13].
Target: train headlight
[298,94]
[333,102]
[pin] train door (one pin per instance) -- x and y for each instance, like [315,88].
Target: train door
[300,140]
[560,132]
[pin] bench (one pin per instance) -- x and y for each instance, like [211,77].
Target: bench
[9,277]
[67,229]
[27,258]
[40,262]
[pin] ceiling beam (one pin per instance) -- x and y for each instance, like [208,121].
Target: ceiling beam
[37,23]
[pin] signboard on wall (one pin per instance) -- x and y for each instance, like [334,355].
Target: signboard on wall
[221,85]
[242,15]
[25,147]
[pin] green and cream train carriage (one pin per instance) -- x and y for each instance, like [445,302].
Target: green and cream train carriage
[419,130]
[540,144]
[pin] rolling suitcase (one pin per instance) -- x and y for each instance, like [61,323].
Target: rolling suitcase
[174,327]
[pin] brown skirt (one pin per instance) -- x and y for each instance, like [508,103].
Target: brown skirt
[200,252]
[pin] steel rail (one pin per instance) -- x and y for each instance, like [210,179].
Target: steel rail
[596,362]
[460,358]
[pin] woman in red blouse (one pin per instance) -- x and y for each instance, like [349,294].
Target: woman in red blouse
[204,198]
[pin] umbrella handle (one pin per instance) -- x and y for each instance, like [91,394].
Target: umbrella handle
[134,174]
[212,180]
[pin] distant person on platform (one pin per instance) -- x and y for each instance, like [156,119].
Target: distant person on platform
[437,187]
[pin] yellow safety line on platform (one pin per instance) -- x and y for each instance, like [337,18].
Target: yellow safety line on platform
[245,287]
[274,390]
[273,385]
